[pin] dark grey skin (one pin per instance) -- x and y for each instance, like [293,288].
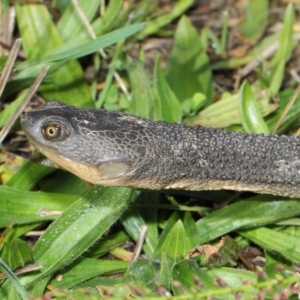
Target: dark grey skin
[116,149]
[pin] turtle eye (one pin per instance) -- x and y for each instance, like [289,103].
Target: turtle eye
[52,131]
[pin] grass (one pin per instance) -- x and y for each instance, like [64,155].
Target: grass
[191,249]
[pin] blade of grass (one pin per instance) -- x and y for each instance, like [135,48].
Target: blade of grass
[92,34]
[224,35]
[168,106]
[6,128]
[286,109]
[256,10]
[77,229]
[284,50]
[14,280]
[88,268]
[111,73]
[260,210]
[286,37]
[176,243]
[113,17]
[154,25]
[69,24]
[9,64]
[142,91]
[226,112]
[85,49]
[7,112]
[30,207]
[281,243]
[252,120]
[133,222]
[188,64]
[28,176]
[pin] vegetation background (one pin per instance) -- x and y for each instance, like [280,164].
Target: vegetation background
[225,64]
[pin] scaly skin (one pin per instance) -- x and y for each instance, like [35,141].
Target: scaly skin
[111,148]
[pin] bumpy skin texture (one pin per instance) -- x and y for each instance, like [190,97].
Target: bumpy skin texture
[112,148]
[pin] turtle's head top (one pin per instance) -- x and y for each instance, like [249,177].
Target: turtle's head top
[94,144]
[50,128]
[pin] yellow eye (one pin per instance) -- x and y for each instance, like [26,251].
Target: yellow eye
[51,131]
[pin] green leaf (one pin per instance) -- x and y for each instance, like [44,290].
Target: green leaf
[107,243]
[84,49]
[192,106]
[70,24]
[286,37]
[23,207]
[3,60]
[28,176]
[190,228]
[233,277]
[285,46]
[189,274]
[256,10]
[253,54]
[188,68]
[86,269]
[252,120]
[292,117]
[284,244]
[77,229]
[224,253]
[142,92]
[8,111]
[226,111]
[114,16]
[16,253]
[198,101]
[15,284]
[277,78]
[169,106]
[176,245]
[150,216]
[133,221]
[40,36]
[64,183]
[164,235]
[165,272]
[118,290]
[39,289]
[202,283]
[142,273]
[106,94]
[177,10]
[260,210]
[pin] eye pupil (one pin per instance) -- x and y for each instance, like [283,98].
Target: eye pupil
[51,131]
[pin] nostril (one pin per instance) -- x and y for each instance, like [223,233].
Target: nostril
[25,120]
[23,117]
